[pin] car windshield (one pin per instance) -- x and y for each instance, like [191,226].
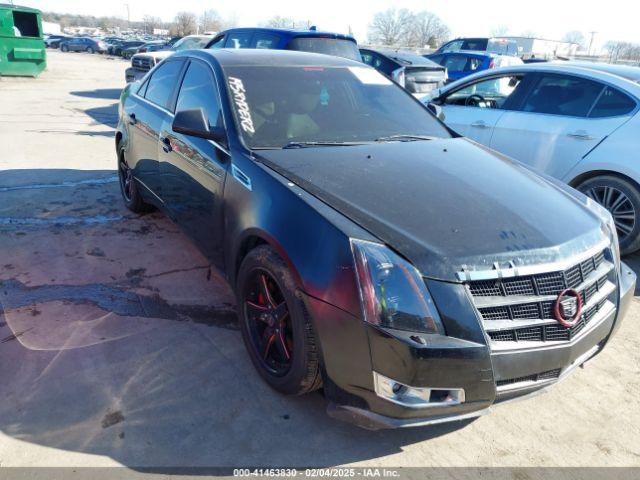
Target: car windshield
[278,106]
[329,46]
[191,43]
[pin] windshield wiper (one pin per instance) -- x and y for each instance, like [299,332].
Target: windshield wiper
[321,144]
[404,138]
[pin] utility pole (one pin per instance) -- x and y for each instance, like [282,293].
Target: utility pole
[593,34]
[128,16]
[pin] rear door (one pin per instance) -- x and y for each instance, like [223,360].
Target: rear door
[474,109]
[194,169]
[560,121]
[146,113]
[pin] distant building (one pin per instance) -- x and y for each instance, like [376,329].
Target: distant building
[49,28]
[160,31]
[541,48]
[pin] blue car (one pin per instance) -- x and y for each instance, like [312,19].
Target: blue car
[311,40]
[462,63]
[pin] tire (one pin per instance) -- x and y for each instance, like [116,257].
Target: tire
[64,48]
[302,375]
[89,50]
[129,188]
[622,198]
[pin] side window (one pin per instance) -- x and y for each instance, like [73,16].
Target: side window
[612,103]
[437,59]
[473,63]
[455,63]
[238,40]
[218,42]
[264,40]
[163,83]
[562,95]
[199,91]
[367,58]
[491,93]
[453,46]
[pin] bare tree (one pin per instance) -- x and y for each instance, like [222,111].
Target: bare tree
[151,22]
[623,51]
[185,23]
[426,29]
[280,22]
[211,21]
[499,31]
[391,27]
[576,37]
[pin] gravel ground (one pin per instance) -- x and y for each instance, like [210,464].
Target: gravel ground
[119,343]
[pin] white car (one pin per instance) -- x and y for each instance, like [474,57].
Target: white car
[577,122]
[141,63]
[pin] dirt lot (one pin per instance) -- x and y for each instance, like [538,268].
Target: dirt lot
[119,346]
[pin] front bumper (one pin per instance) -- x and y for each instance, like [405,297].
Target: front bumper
[443,362]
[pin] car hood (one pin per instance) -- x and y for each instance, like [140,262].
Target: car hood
[158,55]
[445,205]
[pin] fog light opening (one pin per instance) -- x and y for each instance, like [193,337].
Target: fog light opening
[416,397]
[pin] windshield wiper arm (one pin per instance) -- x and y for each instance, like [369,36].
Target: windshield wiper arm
[404,138]
[321,144]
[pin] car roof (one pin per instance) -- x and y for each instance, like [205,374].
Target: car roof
[290,32]
[474,53]
[228,57]
[624,71]
[600,72]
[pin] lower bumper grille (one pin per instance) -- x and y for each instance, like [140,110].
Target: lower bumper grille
[536,377]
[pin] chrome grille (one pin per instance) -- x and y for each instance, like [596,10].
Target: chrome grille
[142,63]
[521,308]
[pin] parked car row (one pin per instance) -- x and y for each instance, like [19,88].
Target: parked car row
[414,275]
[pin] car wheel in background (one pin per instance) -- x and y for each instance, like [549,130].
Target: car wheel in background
[622,199]
[64,48]
[89,50]
[128,187]
[276,327]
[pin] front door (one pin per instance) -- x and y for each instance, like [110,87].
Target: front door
[194,169]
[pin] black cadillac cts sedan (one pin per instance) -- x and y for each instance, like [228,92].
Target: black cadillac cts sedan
[413,275]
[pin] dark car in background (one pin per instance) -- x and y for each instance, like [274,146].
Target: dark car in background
[461,64]
[417,74]
[415,276]
[83,44]
[117,49]
[311,40]
[53,41]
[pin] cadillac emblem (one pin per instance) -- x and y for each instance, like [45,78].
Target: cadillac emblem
[568,308]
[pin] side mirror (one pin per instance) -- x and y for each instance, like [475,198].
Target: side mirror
[437,111]
[194,123]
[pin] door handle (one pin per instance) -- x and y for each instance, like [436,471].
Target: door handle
[132,119]
[166,144]
[580,135]
[479,124]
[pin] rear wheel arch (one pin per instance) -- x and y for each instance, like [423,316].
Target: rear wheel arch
[583,177]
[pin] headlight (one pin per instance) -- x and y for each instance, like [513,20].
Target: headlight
[607,219]
[392,292]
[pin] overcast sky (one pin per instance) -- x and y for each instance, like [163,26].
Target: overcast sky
[614,19]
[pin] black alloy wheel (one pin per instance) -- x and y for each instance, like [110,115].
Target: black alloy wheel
[269,322]
[276,328]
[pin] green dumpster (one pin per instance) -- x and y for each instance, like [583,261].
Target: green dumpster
[22,49]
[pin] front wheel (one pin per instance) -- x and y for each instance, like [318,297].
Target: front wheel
[64,48]
[89,50]
[276,327]
[622,199]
